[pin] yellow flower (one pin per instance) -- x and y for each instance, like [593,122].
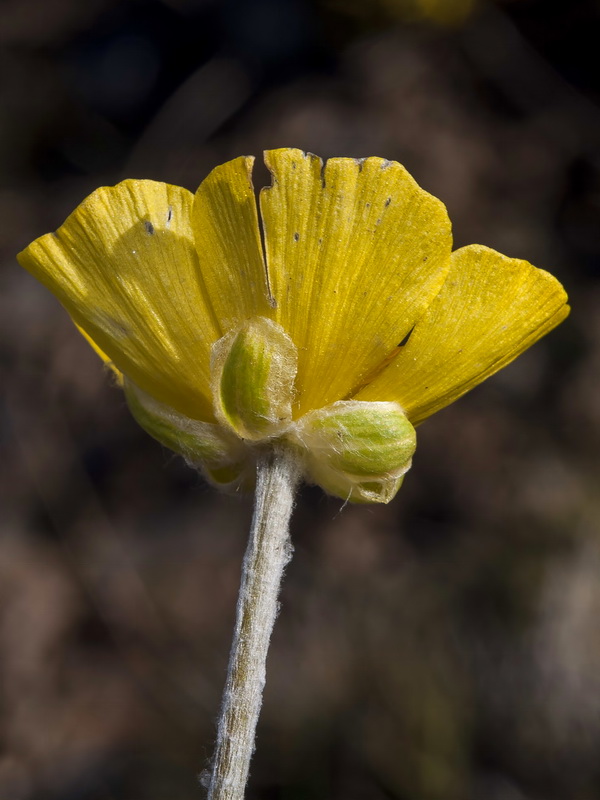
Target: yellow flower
[335,320]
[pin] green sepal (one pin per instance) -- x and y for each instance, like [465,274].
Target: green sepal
[253,371]
[357,450]
[205,445]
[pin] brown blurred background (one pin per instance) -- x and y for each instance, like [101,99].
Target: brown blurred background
[444,647]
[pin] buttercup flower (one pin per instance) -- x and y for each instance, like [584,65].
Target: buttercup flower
[334,320]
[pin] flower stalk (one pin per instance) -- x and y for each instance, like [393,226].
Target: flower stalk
[269,550]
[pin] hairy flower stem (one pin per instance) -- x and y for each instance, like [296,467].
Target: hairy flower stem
[269,550]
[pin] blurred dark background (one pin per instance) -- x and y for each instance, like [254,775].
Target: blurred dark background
[444,647]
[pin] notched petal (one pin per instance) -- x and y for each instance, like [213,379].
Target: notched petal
[227,234]
[355,251]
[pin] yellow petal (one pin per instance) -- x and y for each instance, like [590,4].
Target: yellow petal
[124,265]
[355,254]
[225,222]
[118,375]
[490,309]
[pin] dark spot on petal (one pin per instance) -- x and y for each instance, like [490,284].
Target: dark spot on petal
[113,327]
[425,258]
[320,241]
[323,169]
[378,221]
[170,214]
[296,236]
[367,205]
[149,228]
[407,337]
[388,201]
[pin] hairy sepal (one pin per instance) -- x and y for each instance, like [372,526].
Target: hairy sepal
[253,371]
[358,451]
[205,445]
